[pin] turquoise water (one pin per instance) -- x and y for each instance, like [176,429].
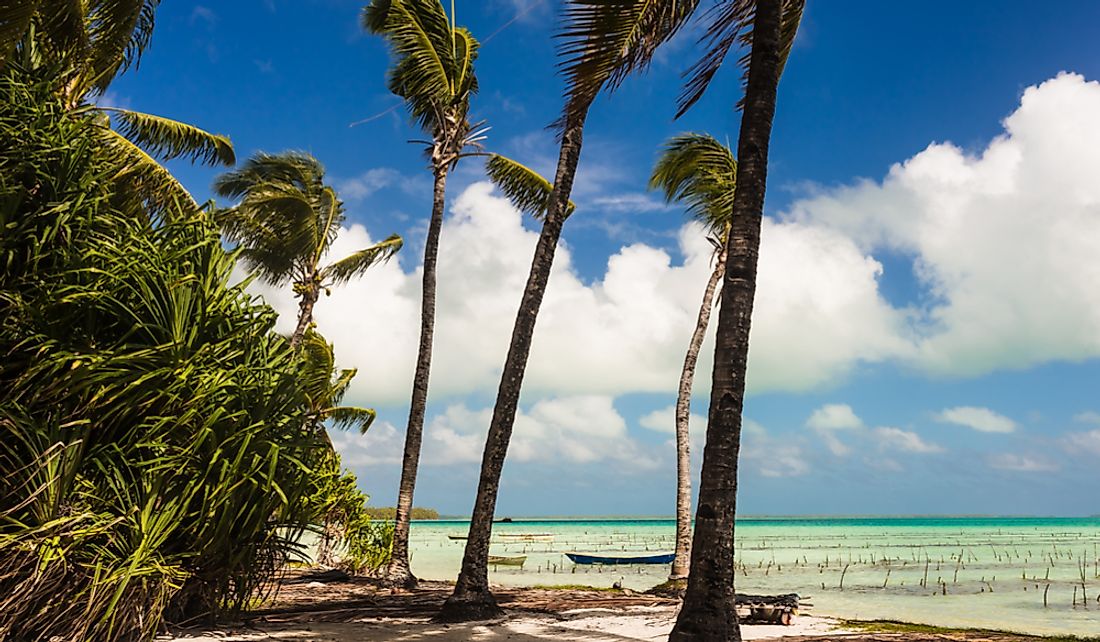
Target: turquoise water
[952,571]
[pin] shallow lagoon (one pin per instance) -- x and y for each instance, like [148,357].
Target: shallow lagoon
[974,572]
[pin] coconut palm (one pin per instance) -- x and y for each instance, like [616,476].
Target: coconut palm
[433,72]
[85,45]
[767,28]
[323,394]
[286,222]
[697,170]
[603,41]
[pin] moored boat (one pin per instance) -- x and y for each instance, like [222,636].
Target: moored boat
[502,560]
[623,557]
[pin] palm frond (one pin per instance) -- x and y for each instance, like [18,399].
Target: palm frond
[420,36]
[701,172]
[352,266]
[65,27]
[315,376]
[170,139]
[525,187]
[146,177]
[604,41]
[730,23]
[466,47]
[119,32]
[15,20]
[341,384]
[351,417]
[295,168]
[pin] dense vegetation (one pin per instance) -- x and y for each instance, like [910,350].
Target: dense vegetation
[163,449]
[161,445]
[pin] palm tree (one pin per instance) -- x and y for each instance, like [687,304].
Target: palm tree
[323,394]
[433,72]
[285,223]
[768,28]
[700,171]
[602,43]
[85,45]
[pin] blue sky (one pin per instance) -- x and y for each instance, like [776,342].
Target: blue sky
[928,332]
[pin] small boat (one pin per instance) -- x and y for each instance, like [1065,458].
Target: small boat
[622,558]
[456,537]
[500,560]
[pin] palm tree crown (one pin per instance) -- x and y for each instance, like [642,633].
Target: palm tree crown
[433,69]
[285,223]
[700,172]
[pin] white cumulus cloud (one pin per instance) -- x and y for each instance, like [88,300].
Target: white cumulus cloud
[904,440]
[980,419]
[1005,239]
[818,308]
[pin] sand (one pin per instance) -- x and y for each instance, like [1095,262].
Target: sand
[357,610]
[631,623]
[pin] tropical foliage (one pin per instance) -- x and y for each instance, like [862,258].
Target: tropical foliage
[602,42]
[433,72]
[83,46]
[351,534]
[286,222]
[700,172]
[156,451]
[766,29]
[159,442]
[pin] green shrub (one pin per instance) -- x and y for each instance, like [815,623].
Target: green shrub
[156,448]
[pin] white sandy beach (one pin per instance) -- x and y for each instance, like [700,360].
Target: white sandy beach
[620,625]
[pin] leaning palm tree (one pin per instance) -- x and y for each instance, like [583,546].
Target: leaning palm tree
[286,222]
[84,46]
[701,172]
[602,43]
[767,28]
[433,72]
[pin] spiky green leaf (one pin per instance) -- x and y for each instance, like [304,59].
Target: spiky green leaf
[604,41]
[729,24]
[356,264]
[525,187]
[701,172]
[168,139]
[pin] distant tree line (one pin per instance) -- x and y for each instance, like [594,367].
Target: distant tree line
[390,512]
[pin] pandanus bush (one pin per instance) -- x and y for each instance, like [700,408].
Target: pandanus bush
[157,446]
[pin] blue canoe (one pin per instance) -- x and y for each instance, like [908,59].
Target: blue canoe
[622,558]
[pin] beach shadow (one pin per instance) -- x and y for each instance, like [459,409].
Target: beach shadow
[512,630]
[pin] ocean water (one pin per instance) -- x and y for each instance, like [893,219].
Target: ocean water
[989,572]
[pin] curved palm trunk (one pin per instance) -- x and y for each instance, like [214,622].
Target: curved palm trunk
[398,572]
[310,295]
[682,561]
[471,599]
[708,610]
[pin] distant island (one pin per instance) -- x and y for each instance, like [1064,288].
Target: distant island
[388,512]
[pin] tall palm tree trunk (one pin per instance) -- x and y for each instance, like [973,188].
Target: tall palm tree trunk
[310,294]
[681,563]
[471,599]
[708,612]
[398,572]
